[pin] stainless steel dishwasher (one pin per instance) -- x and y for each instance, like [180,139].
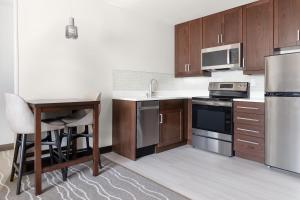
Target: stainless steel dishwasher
[147,135]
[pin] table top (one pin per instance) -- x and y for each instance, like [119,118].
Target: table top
[61,102]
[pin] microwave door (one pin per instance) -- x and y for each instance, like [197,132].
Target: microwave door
[216,58]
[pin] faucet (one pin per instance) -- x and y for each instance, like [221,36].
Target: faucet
[151,87]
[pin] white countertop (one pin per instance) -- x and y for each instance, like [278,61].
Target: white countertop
[252,99]
[141,96]
[157,98]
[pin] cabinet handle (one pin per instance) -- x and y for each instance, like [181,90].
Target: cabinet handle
[221,38]
[298,35]
[185,67]
[161,120]
[189,67]
[248,108]
[248,142]
[247,130]
[248,119]
[243,63]
[218,38]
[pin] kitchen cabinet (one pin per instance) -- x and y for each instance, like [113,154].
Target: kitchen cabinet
[171,123]
[212,30]
[286,23]
[257,35]
[188,45]
[222,28]
[174,126]
[124,128]
[182,45]
[249,132]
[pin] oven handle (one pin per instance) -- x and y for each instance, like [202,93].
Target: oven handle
[212,103]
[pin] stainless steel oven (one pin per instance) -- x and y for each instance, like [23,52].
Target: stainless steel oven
[212,118]
[212,125]
[222,57]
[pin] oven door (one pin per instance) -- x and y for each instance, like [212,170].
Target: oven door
[212,117]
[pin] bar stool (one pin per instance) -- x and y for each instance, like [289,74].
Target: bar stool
[81,118]
[21,121]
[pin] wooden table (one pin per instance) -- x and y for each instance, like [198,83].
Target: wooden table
[44,106]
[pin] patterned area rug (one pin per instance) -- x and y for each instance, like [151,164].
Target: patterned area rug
[114,183]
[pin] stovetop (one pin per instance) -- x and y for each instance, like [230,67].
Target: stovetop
[227,99]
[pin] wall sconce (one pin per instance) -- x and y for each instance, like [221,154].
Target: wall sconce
[71,29]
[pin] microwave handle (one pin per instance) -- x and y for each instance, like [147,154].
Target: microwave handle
[228,56]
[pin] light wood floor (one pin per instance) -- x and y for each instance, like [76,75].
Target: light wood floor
[201,175]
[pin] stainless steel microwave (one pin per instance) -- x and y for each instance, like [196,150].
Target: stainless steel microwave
[227,57]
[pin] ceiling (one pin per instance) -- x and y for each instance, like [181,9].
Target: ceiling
[177,11]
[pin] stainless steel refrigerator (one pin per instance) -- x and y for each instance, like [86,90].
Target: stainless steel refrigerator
[282,112]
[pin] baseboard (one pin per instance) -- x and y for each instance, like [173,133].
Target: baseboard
[172,146]
[106,149]
[6,147]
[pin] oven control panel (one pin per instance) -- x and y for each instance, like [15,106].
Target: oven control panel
[229,86]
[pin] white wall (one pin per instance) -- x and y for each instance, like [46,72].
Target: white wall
[51,66]
[6,64]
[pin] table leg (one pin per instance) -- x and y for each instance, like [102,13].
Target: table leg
[37,152]
[96,140]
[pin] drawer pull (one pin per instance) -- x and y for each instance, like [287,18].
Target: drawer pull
[248,119]
[247,130]
[248,142]
[248,108]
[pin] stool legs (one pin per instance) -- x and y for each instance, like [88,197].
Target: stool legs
[50,147]
[60,155]
[21,162]
[15,158]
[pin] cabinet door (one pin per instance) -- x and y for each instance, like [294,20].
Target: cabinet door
[195,47]
[257,35]
[181,48]
[286,23]
[232,26]
[171,127]
[212,28]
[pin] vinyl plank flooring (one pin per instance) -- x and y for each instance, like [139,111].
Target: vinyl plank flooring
[202,175]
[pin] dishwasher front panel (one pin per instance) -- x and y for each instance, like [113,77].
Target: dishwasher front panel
[147,123]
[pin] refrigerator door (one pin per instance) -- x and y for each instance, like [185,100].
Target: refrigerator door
[283,73]
[282,139]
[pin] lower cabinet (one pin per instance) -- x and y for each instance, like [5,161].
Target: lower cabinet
[171,127]
[171,124]
[249,142]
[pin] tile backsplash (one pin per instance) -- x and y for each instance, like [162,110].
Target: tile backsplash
[125,80]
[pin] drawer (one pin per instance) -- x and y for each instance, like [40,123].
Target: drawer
[249,107]
[251,148]
[249,119]
[250,130]
[171,104]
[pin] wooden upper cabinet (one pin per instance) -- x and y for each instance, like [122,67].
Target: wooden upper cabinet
[212,28]
[286,23]
[223,28]
[182,45]
[257,35]
[195,47]
[188,45]
[232,29]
